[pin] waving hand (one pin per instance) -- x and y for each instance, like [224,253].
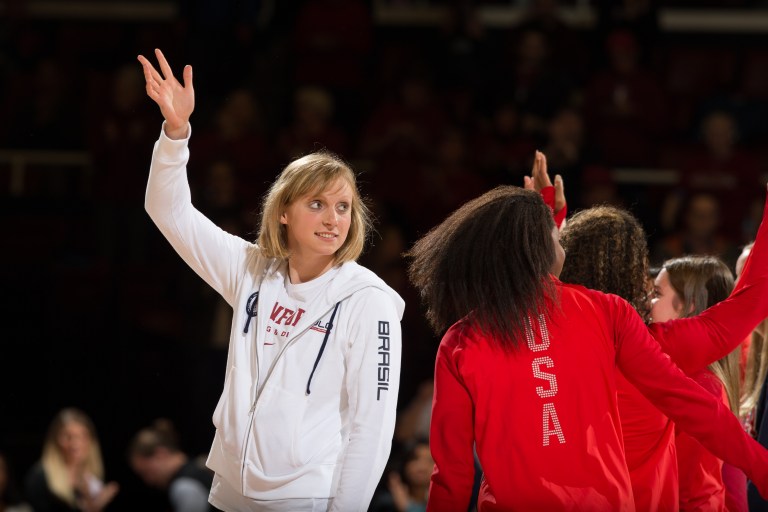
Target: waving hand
[176,101]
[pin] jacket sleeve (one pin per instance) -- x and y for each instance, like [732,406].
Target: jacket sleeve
[693,343]
[372,382]
[212,253]
[693,409]
[451,435]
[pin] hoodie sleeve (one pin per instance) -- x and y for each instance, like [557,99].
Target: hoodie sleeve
[212,253]
[372,383]
[693,409]
[695,342]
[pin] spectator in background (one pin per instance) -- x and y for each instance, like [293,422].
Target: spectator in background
[413,419]
[529,77]
[565,148]
[400,135]
[408,481]
[120,128]
[47,113]
[10,497]
[312,127]
[154,454]
[70,474]
[699,233]
[502,151]
[331,41]
[722,167]
[624,106]
[237,136]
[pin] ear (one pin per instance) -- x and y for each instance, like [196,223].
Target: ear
[283,218]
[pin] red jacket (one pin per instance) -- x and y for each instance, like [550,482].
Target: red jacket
[545,417]
[692,344]
[701,473]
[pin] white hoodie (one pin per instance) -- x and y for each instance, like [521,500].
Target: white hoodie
[328,438]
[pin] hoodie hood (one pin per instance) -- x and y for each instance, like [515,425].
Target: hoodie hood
[352,278]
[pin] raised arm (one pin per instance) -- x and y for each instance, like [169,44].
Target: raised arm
[693,409]
[213,254]
[693,343]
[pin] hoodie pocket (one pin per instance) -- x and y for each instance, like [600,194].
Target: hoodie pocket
[277,423]
[231,416]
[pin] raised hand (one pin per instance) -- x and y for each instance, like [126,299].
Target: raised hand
[176,101]
[539,180]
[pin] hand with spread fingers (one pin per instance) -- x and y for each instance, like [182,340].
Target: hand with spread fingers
[540,182]
[176,101]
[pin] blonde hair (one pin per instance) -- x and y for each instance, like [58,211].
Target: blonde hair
[56,473]
[757,368]
[311,173]
[757,363]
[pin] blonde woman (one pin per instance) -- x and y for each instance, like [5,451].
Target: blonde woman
[70,474]
[306,418]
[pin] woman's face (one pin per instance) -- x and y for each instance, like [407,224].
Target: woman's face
[318,224]
[74,441]
[666,303]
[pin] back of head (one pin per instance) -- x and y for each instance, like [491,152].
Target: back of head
[491,258]
[146,441]
[607,251]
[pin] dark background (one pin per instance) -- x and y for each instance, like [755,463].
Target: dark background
[432,102]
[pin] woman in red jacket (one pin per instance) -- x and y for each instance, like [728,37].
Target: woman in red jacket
[526,370]
[608,252]
[685,287]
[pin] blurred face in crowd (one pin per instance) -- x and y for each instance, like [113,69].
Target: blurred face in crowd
[418,470]
[74,441]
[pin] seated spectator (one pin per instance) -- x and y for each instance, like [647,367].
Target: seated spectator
[10,497]
[624,106]
[700,233]
[721,166]
[154,455]
[70,473]
[408,482]
[312,127]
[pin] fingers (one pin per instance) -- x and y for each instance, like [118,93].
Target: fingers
[187,77]
[164,67]
[559,193]
[540,176]
[528,183]
[151,77]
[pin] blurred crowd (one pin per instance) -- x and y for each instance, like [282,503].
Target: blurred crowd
[103,316]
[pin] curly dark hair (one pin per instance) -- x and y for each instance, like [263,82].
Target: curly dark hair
[490,258]
[606,250]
